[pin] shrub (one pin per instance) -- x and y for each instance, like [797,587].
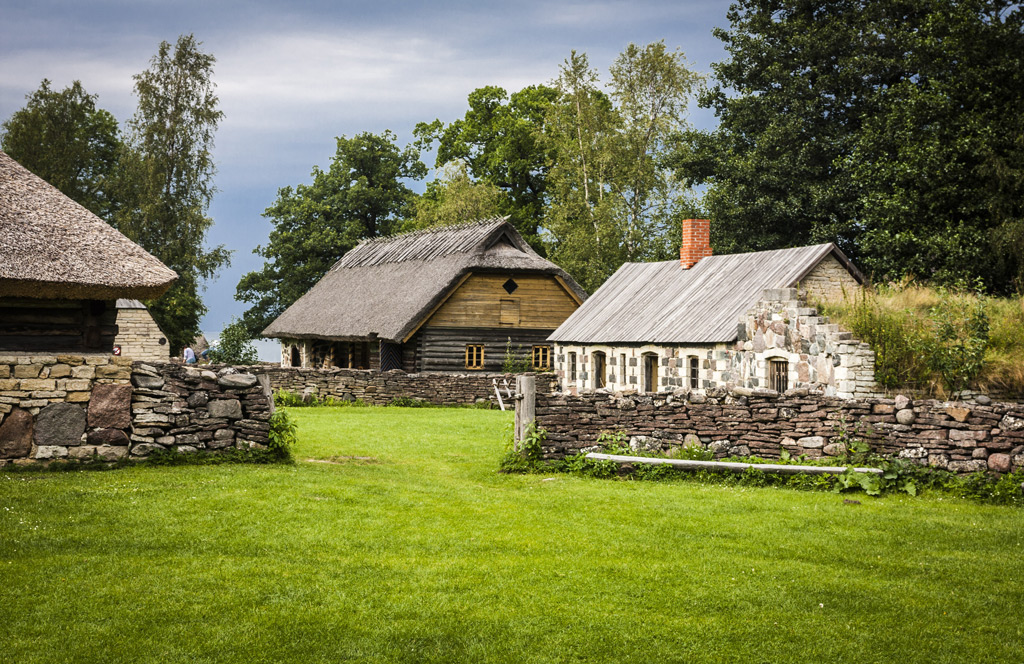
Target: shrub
[234,346]
[515,362]
[283,435]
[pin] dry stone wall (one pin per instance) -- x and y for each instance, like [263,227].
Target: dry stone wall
[959,437]
[103,407]
[378,389]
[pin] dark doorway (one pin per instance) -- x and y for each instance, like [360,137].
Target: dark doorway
[650,372]
[296,357]
[600,370]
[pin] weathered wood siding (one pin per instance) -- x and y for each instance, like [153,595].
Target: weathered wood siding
[538,302]
[444,349]
[31,325]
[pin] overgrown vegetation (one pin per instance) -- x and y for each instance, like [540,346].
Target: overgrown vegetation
[898,476]
[234,346]
[516,361]
[938,341]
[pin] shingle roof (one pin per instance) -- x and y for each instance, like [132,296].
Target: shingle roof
[663,303]
[52,247]
[386,286]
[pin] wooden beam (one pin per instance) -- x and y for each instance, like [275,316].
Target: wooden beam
[565,287]
[772,468]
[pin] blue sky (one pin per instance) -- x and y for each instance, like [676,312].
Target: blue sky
[292,76]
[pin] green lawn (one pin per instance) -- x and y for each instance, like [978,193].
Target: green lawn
[424,553]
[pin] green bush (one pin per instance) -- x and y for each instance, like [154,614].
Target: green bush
[234,346]
[282,435]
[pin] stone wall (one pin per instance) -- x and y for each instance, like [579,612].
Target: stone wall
[100,406]
[378,389]
[829,281]
[140,337]
[958,437]
[48,400]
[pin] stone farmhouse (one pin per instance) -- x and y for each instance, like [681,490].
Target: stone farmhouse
[449,299]
[708,321]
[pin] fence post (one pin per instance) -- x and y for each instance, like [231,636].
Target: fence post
[526,406]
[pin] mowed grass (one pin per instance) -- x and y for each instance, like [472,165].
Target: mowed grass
[424,553]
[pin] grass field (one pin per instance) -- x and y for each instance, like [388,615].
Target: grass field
[423,553]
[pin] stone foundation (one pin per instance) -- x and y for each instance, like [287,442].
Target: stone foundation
[958,437]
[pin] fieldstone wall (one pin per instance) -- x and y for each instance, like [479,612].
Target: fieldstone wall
[819,354]
[104,407]
[379,389]
[959,437]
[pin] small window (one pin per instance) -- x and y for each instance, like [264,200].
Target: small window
[778,375]
[510,286]
[572,367]
[694,373]
[541,358]
[474,356]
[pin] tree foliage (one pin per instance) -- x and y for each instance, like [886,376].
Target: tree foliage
[62,137]
[501,142]
[362,195]
[165,179]
[234,345]
[612,199]
[454,198]
[890,127]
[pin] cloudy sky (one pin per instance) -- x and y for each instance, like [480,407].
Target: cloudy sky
[292,76]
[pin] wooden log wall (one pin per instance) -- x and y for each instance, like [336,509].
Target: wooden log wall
[444,349]
[31,325]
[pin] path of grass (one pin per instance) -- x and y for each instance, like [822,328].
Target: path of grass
[424,553]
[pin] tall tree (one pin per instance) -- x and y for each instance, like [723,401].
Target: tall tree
[62,137]
[500,140]
[362,195]
[612,199]
[165,178]
[584,219]
[887,126]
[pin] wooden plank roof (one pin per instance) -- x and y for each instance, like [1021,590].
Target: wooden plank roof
[663,303]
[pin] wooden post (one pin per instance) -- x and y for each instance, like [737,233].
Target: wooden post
[526,406]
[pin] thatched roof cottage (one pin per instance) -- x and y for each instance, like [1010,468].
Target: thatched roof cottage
[62,268]
[715,321]
[443,299]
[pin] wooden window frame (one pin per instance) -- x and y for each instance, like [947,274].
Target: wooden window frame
[600,378]
[475,356]
[693,372]
[572,367]
[778,374]
[543,353]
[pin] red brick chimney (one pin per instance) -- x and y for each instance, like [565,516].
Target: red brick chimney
[696,242]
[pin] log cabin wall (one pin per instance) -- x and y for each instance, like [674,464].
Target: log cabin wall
[73,326]
[444,349]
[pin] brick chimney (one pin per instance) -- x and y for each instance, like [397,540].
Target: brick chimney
[696,242]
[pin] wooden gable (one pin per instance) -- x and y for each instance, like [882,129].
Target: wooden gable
[530,301]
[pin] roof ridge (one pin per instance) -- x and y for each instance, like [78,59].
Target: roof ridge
[432,229]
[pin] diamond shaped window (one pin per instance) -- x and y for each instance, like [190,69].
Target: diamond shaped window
[510,286]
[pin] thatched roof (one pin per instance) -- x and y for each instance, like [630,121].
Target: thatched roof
[663,303]
[51,247]
[385,287]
